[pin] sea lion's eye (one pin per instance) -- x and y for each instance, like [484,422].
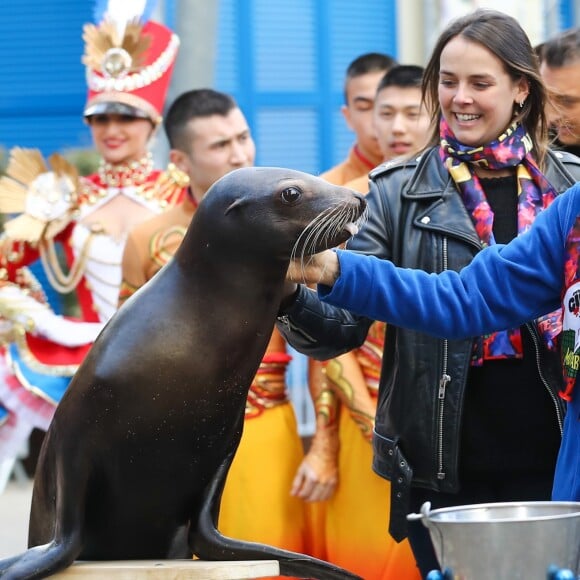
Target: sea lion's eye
[291,194]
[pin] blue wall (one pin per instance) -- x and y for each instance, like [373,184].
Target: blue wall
[567,14]
[285,64]
[283,61]
[42,87]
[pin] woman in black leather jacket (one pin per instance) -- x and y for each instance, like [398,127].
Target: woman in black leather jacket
[466,421]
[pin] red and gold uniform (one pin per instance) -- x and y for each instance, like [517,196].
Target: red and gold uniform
[44,349]
[355,167]
[357,538]
[77,226]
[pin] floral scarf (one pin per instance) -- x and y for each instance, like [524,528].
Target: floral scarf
[511,149]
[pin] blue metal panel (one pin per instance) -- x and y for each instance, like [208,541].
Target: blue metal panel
[277,57]
[288,132]
[169,14]
[285,46]
[42,79]
[226,63]
[567,14]
[355,28]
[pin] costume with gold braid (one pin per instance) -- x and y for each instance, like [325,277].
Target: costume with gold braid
[43,349]
[352,528]
[128,64]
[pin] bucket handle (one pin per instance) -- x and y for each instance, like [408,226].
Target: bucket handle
[425,517]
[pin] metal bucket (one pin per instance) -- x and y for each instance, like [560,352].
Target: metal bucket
[515,540]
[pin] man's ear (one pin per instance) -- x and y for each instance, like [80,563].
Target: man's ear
[346,114]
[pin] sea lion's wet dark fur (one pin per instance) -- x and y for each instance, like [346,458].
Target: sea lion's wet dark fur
[136,457]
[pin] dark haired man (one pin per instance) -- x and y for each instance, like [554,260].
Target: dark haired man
[209,137]
[362,78]
[560,70]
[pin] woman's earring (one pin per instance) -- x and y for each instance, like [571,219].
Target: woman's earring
[522,103]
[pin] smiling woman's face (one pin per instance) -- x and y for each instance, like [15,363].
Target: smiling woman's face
[476,94]
[120,138]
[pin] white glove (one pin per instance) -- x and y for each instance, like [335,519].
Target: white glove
[18,306]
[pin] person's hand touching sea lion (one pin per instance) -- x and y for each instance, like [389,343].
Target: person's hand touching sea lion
[321,268]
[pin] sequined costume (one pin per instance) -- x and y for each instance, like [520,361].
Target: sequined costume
[77,226]
[43,349]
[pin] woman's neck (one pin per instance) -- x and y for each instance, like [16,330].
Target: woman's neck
[126,174]
[489,173]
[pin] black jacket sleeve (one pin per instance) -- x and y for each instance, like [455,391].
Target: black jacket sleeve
[319,330]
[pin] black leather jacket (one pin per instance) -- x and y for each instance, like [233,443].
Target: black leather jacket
[417,220]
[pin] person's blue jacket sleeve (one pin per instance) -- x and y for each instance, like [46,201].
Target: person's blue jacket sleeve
[504,286]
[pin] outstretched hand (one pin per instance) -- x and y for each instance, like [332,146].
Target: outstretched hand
[322,268]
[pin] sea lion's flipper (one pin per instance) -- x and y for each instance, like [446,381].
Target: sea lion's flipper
[204,523]
[209,544]
[7,562]
[41,561]
[62,536]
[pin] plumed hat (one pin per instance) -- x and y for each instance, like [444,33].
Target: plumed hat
[129,60]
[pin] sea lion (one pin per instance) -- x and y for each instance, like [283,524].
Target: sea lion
[135,460]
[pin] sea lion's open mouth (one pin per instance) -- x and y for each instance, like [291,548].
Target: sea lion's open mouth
[332,227]
[351,228]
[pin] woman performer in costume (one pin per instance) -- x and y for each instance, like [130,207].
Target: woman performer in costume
[129,62]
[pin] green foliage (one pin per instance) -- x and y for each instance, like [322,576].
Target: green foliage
[85,160]
[3,160]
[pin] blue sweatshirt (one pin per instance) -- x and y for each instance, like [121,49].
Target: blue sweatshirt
[504,286]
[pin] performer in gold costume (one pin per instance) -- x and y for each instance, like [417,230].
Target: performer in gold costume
[77,226]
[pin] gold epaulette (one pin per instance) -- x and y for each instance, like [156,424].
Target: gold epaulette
[45,197]
[171,184]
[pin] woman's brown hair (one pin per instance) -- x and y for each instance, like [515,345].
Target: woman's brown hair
[505,38]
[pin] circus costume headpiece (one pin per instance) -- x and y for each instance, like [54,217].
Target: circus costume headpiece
[129,60]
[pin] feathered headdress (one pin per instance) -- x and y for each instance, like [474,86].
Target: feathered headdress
[46,198]
[129,59]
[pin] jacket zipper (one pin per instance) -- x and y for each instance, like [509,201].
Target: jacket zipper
[443,382]
[535,339]
[285,320]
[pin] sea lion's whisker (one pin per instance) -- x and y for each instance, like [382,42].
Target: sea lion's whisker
[321,231]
